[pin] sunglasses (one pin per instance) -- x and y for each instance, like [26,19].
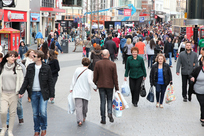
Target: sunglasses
[34,56]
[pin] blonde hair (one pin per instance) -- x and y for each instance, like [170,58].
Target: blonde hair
[128,41]
[28,52]
[160,55]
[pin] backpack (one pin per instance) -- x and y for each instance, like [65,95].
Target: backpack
[135,39]
[49,37]
[125,49]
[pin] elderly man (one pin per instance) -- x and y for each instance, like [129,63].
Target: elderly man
[106,78]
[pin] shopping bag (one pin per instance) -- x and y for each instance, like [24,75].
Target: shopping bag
[125,89]
[117,113]
[143,90]
[117,104]
[170,94]
[71,104]
[150,96]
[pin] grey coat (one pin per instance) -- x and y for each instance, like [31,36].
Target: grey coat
[187,62]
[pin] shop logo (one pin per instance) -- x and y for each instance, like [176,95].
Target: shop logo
[9,15]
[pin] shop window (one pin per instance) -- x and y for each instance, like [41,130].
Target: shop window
[48,3]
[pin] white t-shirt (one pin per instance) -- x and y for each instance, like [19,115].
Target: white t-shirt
[36,82]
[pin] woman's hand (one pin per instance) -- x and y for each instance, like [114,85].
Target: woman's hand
[144,78]
[71,91]
[125,78]
[192,79]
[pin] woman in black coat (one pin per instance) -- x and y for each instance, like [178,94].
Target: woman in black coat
[54,66]
[160,77]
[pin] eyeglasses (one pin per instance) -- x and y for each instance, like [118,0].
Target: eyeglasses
[34,56]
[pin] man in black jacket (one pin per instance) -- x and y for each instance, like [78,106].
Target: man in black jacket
[38,82]
[111,47]
[168,49]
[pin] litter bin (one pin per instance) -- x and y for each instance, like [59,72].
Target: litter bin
[65,46]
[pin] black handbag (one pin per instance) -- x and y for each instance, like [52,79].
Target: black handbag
[91,66]
[150,96]
[143,90]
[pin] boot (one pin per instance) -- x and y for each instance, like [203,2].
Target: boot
[103,120]
[110,117]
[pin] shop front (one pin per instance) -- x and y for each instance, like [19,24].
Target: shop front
[16,20]
[34,26]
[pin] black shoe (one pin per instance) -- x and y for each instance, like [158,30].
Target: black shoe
[103,122]
[135,105]
[110,118]
[185,99]
[202,124]
[201,121]
[189,98]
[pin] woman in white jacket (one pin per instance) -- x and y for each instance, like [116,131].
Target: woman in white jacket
[11,79]
[82,84]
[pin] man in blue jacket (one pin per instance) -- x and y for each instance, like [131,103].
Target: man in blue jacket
[39,37]
[58,45]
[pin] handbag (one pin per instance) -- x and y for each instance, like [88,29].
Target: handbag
[79,76]
[150,96]
[143,90]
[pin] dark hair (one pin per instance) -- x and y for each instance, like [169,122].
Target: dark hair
[40,54]
[45,49]
[88,38]
[116,35]
[85,62]
[110,38]
[55,38]
[52,54]
[152,44]
[22,42]
[52,46]
[188,42]
[159,38]
[1,55]
[140,39]
[134,49]
[4,60]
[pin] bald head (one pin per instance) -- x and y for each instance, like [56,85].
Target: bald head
[106,53]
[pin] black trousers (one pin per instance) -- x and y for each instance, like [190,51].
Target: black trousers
[125,59]
[185,79]
[54,82]
[200,98]
[112,57]
[135,87]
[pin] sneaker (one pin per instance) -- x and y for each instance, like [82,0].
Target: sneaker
[21,121]
[3,131]
[10,133]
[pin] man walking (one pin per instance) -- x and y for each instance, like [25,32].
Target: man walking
[38,82]
[168,49]
[111,47]
[106,78]
[141,46]
[39,37]
[187,60]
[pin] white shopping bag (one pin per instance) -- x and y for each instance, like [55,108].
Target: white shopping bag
[117,113]
[71,104]
[125,89]
[117,104]
[123,100]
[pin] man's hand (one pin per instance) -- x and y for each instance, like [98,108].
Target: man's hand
[192,79]
[125,78]
[51,99]
[95,90]
[71,91]
[177,74]
[20,96]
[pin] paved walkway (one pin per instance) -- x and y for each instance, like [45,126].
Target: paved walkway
[176,119]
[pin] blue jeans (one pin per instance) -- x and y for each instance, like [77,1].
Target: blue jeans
[105,93]
[175,50]
[170,55]
[39,111]
[160,91]
[87,52]
[19,111]
[150,60]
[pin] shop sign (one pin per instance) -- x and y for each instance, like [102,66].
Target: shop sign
[15,16]
[141,19]
[35,17]
[120,12]
[127,12]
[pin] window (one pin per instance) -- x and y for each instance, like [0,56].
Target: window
[77,3]
[157,6]
[48,3]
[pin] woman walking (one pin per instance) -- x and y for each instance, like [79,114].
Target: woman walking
[54,66]
[96,55]
[82,82]
[150,45]
[11,79]
[135,69]
[45,50]
[197,76]
[160,77]
[87,44]
[175,49]
[22,49]
[129,45]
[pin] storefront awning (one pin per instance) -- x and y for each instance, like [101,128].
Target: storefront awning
[161,16]
[52,10]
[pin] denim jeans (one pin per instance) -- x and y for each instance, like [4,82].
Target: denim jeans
[87,52]
[105,93]
[150,60]
[175,50]
[160,91]
[170,55]
[19,111]
[39,107]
